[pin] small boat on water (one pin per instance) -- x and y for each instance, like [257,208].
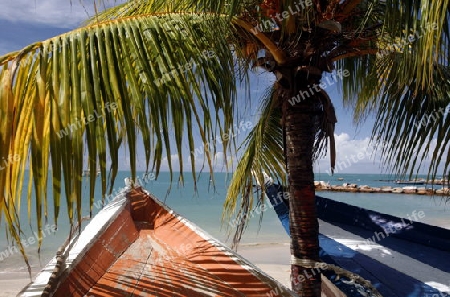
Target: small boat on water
[88,172]
[410,182]
[137,246]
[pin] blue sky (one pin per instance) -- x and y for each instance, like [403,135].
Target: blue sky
[23,22]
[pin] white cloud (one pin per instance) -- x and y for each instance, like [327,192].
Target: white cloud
[174,162]
[55,13]
[360,156]
[218,162]
[346,162]
[352,156]
[219,159]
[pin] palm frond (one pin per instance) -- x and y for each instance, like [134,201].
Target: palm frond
[153,7]
[100,86]
[262,151]
[404,84]
[413,127]
[422,31]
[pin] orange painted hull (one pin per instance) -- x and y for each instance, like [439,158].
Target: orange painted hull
[148,250]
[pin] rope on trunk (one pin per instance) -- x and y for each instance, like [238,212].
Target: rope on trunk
[307,263]
[355,278]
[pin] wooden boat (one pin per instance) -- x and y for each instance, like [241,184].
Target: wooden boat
[137,246]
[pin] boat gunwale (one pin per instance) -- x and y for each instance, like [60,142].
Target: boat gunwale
[81,244]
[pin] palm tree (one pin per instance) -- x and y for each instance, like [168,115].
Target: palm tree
[143,66]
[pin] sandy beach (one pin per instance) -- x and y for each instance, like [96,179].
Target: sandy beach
[395,257]
[271,258]
[12,283]
[274,259]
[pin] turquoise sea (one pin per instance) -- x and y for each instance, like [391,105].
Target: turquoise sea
[204,208]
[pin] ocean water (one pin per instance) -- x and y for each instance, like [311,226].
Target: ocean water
[435,208]
[204,208]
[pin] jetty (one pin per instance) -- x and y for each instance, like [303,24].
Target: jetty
[354,188]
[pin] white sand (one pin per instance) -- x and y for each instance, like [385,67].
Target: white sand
[271,258]
[12,283]
[274,259]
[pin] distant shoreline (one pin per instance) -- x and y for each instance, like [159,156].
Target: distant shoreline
[353,188]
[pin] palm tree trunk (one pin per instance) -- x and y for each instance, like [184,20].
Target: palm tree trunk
[299,121]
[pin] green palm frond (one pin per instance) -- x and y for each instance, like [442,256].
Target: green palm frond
[262,152]
[248,37]
[147,7]
[101,85]
[412,127]
[404,84]
[422,31]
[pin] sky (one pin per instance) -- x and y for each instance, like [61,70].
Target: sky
[23,22]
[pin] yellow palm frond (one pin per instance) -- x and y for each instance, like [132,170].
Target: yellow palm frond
[98,87]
